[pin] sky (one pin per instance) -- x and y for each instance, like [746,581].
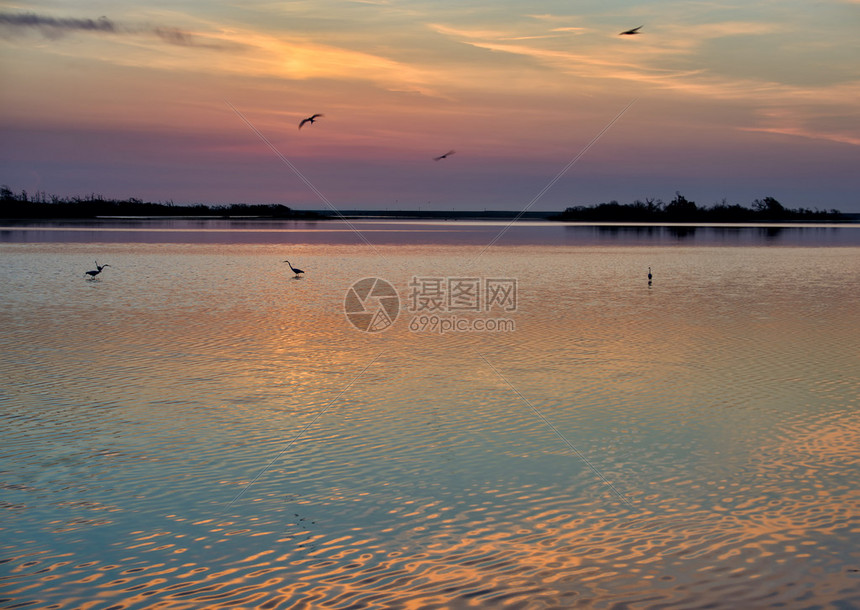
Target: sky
[544,103]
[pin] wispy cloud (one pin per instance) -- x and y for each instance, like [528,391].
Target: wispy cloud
[503,35]
[301,59]
[176,36]
[54,27]
[803,123]
[673,61]
[806,133]
[57,27]
[677,60]
[263,55]
[468,33]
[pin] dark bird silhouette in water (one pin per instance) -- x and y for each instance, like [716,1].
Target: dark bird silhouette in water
[296,271]
[649,276]
[445,156]
[97,270]
[632,32]
[310,120]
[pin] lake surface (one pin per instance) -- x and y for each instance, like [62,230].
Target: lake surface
[410,232]
[197,428]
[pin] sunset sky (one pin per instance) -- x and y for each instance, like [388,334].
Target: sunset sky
[734,100]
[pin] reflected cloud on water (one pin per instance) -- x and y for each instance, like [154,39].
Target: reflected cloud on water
[721,403]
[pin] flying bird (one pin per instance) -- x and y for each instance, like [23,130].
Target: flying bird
[296,271]
[97,270]
[310,120]
[631,32]
[445,156]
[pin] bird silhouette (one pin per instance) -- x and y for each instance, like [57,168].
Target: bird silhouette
[310,120]
[649,276]
[445,156]
[296,271]
[632,32]
[96,271]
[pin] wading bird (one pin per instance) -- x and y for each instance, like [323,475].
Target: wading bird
[296,271]
[649,276]
[97,270]
[445,156]
[310,120]
[632,32]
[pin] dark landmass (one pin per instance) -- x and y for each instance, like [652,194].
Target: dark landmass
[445,214]
[41,206]
[681,209]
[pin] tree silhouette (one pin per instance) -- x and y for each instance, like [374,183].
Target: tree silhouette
[769,208]
[681,208]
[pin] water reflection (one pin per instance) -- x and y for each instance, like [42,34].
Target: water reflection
[722,404]
[394,232]
[787,235]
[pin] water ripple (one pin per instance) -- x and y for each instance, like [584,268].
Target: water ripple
[721,402]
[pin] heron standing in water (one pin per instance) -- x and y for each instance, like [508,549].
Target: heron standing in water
[96,271]
[296,271]
[649,276]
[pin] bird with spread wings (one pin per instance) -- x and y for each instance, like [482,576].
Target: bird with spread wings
[310,120]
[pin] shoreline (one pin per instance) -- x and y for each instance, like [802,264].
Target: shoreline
[846,219]
[500,217]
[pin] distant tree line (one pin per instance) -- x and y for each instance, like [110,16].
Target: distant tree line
[41,205]
[681,209]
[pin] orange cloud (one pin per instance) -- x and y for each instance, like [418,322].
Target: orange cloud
[807,133]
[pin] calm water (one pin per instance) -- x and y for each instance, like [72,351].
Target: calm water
[196,428]
[410,232]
